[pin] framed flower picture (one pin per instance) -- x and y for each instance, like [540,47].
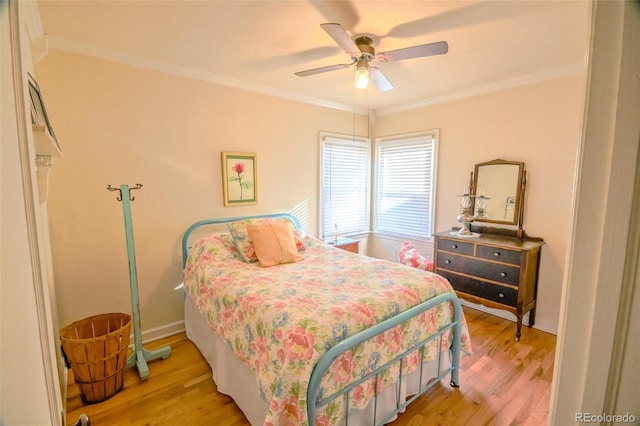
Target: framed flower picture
[239,178]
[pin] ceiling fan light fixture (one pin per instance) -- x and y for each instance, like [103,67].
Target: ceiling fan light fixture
[362,74]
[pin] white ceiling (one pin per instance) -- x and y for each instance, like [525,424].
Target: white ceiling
[258,45]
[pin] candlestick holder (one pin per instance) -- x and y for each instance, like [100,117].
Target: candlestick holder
[465,217]
[480,211]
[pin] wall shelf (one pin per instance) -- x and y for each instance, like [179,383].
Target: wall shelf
[45,144]
[46,148]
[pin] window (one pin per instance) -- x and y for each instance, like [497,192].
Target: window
[344,180]
[405,185]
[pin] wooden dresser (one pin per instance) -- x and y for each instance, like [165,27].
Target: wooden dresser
[493,270]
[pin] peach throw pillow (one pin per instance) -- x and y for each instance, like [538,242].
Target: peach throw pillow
[274,243]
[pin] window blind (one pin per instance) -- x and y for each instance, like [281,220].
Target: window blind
[345,188]
[405,186]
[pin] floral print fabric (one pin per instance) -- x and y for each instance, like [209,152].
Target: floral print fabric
[245,246]
[280,321]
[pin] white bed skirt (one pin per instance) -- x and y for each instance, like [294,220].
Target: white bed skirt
[233,378]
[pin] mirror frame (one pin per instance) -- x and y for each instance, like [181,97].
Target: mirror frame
[520,189]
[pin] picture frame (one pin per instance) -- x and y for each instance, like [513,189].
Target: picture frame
[239,178]
[39,117]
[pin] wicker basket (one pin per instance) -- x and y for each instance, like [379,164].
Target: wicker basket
[97,349]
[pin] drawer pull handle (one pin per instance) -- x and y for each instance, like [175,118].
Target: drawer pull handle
[503,274]
[496,254]
[501,295]
[455,246]
[447,261]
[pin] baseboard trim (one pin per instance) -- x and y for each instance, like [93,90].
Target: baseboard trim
[161,332]
[542,325]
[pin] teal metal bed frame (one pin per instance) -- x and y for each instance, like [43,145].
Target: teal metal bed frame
[314,398]
[192,228]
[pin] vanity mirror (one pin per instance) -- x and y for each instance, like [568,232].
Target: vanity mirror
[498,191]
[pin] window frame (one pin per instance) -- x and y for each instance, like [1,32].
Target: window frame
[435,135]
[347,140]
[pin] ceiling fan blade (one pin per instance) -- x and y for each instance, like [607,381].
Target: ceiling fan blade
[342,37]
[379,79]
[322,69]
[438,48]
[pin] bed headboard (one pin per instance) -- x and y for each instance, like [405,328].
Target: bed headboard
[205,222]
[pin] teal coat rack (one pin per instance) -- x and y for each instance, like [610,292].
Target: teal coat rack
[140,355]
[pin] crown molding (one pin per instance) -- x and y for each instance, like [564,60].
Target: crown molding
[30,13]
[153,65]
[510,83]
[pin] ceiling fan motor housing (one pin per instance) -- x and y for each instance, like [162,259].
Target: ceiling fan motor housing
[364,44]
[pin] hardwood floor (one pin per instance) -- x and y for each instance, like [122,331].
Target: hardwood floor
[504,383]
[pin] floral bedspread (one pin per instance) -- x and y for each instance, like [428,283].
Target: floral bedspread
[280,320]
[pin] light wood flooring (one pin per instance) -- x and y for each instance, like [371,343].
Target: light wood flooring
[504,383]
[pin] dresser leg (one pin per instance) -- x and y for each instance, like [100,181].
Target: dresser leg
[518,328]
[532,317]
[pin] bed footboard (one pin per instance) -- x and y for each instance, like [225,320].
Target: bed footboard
[315,401]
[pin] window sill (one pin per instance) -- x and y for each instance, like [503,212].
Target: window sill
[400,237]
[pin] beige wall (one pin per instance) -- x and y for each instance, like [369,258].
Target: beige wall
[538,124]
[121,124]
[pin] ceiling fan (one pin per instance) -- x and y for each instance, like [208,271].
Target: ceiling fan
[362,53]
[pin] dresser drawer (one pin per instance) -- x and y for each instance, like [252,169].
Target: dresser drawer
[454,246]
[496,269]
[499,254]
[480,268]
[494,292]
